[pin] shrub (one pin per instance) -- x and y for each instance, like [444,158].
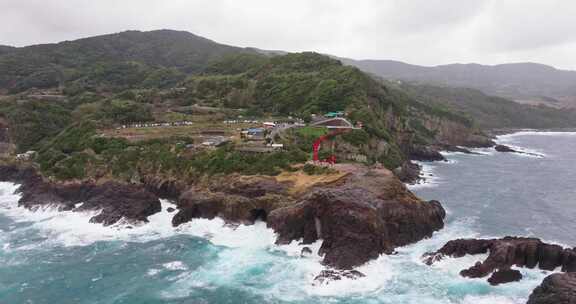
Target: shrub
[356,137]
[317,170]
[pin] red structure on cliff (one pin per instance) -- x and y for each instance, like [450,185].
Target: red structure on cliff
[318,143]
[337,125]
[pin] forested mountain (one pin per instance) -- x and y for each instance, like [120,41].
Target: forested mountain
[490,112]
[5,49]
[526,82]
[118,60]
[129,77]
[64,99]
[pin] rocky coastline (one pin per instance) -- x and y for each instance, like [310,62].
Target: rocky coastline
[365,213]
[505,253]
[559,288]
[114,200]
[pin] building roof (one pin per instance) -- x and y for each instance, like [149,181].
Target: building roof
[255,130]
[334,114]
[334,123]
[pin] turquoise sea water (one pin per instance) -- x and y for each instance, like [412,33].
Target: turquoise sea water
[52,257]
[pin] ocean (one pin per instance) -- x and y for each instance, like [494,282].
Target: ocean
[58,257]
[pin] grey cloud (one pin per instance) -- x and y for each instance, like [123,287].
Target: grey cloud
[524,25]
[425,15]
[425,32]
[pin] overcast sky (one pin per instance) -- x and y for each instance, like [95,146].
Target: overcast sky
[426,32]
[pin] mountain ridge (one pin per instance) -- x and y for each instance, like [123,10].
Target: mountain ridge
[6,48]
[47,65]
[164,59]
[522,81]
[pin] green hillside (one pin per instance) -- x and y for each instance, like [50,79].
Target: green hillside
[111,61]
[490,112]
[104,83]
[5,49]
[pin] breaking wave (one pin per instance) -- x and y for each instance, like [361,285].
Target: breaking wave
[247,259]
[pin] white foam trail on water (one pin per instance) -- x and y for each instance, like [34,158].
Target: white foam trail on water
[428,177]
[512,140]
[524,152]
[233,236]
[250,260]
[483,152]
[538,133]
[176,265]
[68,228]
[491,300]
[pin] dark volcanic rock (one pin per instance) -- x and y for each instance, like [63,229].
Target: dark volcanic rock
[164,187]
[195,204]
[232,208]
[355,224]
[504,149]
[326,276]
[506,252]
[409,172]
[558,288]
[412,222]
[348,222]
[425,153]
[120,201]
[305,251]
[502,276]
[17,174]
[116,201]
[451,148]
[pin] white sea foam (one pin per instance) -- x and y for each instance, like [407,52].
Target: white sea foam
[68,228]
[428,177]
[524,152]
[535,133]
[255,236]
[250,260]
[491,300]
[153,271]
[483,151]
[512,140]
[176,265]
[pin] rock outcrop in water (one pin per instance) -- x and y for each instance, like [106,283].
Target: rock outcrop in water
[329,275]
[115,201]
[507,149]
[558,288]
[425,153]
[367,215]
[364,213]
[505,253]
[504,149]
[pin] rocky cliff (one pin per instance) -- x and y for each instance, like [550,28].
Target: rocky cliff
[505,253]
[559,288]
[115,201]
[367,214]
[358,214]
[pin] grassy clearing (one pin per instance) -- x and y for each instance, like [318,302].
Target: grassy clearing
[313,132]
[302,181]
[195,130]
